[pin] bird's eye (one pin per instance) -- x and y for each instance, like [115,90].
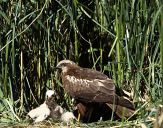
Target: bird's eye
[63,65]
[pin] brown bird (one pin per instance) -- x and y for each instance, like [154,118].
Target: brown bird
[88,87]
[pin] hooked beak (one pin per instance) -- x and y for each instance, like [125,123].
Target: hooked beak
[57,68]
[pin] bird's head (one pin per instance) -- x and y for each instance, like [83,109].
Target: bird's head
[52,94]
[64,65]
[49,94]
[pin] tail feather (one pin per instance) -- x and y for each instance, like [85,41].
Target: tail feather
[121,112]
[122,107]
[125,103]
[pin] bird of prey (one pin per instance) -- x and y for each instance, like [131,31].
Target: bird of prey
[50,109]
[88,86]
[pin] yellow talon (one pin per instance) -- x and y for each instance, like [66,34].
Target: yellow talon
[78,116]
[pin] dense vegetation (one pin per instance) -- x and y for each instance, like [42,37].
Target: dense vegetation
[123,39]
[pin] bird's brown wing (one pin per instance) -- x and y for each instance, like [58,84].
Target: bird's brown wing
[86,73]
[92,86]
[101,92]
[90,90]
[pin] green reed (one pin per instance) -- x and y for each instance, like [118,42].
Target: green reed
[121,38]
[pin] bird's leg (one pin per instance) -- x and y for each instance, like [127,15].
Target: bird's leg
[81,111]
[78,116]
[78,108]
[90,114]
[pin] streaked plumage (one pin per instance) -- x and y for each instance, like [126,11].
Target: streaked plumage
[88,86]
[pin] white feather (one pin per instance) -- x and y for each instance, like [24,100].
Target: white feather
[49,93]
[40,113]
[74,80]
[66,61]
[67,117]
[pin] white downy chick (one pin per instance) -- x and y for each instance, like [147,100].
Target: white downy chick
[40,113]
[50,109]
[67,117]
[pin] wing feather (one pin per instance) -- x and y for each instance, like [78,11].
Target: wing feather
[86,73]
[94,90]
